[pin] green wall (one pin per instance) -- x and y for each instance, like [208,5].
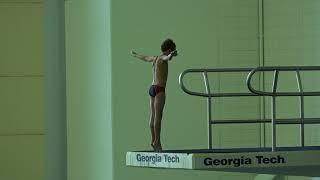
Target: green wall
[208,33]
[291,38]
[22,132]
[88,90]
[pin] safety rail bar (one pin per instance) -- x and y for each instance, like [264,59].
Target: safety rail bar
[205,76]
[276,70]
[253,92]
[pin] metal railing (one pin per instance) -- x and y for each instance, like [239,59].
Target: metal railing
[209,94]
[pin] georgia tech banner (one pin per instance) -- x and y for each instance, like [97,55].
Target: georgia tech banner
[161,160]
[216,161]
[256,159]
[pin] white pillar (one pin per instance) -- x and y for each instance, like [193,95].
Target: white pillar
[55,90]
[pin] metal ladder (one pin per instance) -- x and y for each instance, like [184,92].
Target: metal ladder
[209,94]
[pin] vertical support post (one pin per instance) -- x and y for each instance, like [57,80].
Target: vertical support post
[273,109]
[262,74]
[55,90]
[261,31]
[301,109]
[209,105]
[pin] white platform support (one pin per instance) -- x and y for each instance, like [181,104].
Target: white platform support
[287,161]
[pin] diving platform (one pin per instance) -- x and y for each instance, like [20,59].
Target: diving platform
[299,160]
[285,161]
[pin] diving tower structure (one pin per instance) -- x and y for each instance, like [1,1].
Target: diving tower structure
[299,160]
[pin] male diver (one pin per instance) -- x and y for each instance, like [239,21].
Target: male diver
[157,89]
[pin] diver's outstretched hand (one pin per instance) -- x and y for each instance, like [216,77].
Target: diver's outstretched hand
[133,53]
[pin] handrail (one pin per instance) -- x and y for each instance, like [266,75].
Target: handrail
[212,94]
[297,69]
[274,94]
[253,92]
[209,93]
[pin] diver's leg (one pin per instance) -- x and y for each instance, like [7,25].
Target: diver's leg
[151,122]
[159,105]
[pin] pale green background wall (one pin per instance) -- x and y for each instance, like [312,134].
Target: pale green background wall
[292,38]
[208,33]
[22,131]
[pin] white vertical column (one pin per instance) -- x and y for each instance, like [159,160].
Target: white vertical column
[55,90]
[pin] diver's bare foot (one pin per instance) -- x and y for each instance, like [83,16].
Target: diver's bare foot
[154,148]
[157,147]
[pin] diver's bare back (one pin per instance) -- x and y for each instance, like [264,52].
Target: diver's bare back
[160,71]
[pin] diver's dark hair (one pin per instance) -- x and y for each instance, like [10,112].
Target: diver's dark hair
[168,44]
